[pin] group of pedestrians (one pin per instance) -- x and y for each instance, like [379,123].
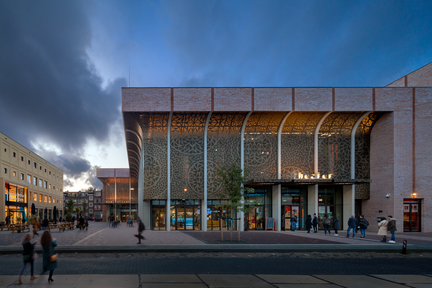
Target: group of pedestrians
[385,226]
[49,257]
[312,223]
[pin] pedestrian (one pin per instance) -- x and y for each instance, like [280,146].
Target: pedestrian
[315,223]
[7,220]
[28,256]
[294,222]
[363,224]
[308,223]
[326,223]
[391,226]
[48,254]
[73,219]
[45,224]
[336,225]
[352,224]
[383,229]
[35,226]
[141,229]
[86,224]
[81,223]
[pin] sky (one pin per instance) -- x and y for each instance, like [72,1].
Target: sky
[63,63]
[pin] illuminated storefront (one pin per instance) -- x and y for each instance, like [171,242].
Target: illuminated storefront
[16,203]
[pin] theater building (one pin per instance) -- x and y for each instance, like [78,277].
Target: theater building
[335,150]
[28,180]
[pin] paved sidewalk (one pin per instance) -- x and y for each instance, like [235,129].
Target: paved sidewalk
[222,280]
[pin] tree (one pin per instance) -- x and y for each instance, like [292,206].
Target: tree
[70,205]
[232,180]
[84,206]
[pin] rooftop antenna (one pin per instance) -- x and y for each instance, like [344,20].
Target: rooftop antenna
[129,76]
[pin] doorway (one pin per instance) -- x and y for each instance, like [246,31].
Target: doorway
[411,215]
[255,218]
[185,217]
[288,212]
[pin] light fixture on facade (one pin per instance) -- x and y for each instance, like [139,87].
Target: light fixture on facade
[185,190]
[414,194]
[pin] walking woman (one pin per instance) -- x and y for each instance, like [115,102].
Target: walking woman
[28,256]
[48,253]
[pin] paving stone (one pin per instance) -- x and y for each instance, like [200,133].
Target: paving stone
[224,280]
[173,285]
[290,279]
[93,281]
[5,280]
[406,279]
[358,281]
[67,281]
[168,278]
[306,286]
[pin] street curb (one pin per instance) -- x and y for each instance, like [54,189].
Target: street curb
[230,248]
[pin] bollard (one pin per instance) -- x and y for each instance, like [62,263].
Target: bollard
[404,247]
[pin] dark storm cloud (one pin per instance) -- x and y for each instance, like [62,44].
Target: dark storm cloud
[49,90]
[298,43]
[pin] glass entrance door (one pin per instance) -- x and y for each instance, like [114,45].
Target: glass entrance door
[255,218]
[287,213]
[411,215]
[187,218]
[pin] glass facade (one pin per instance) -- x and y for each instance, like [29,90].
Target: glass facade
[294,202]
[185,214]
[15,203]
[158,215]
[259,204]
[330,202]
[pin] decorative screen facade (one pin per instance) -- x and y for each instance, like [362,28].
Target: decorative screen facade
[223,145]
[155,131]
[260,144]
[187,155]
[297,143]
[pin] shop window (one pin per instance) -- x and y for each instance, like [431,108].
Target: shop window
[14,154]
[22,176]
[35,195]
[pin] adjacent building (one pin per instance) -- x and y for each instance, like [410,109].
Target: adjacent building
[28,180]
[340,151]
[89,202]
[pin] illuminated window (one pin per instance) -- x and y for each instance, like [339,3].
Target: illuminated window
[40,197]
[53,200]
[49,199]
[35,197]
[45,199]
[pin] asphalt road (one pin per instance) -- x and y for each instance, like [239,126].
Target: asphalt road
[230,263]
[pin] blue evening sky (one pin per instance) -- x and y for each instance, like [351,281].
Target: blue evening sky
[64,62]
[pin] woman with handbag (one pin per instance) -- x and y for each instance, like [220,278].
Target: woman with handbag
[48,253]
[28,256]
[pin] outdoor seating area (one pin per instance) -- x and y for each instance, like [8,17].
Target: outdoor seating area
[61,226]
[15,227]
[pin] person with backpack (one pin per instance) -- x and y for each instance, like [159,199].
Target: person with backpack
[141,228]
[363,224]
[294,222]
[352,224]
[336,225]
[315,223]
[326,223]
